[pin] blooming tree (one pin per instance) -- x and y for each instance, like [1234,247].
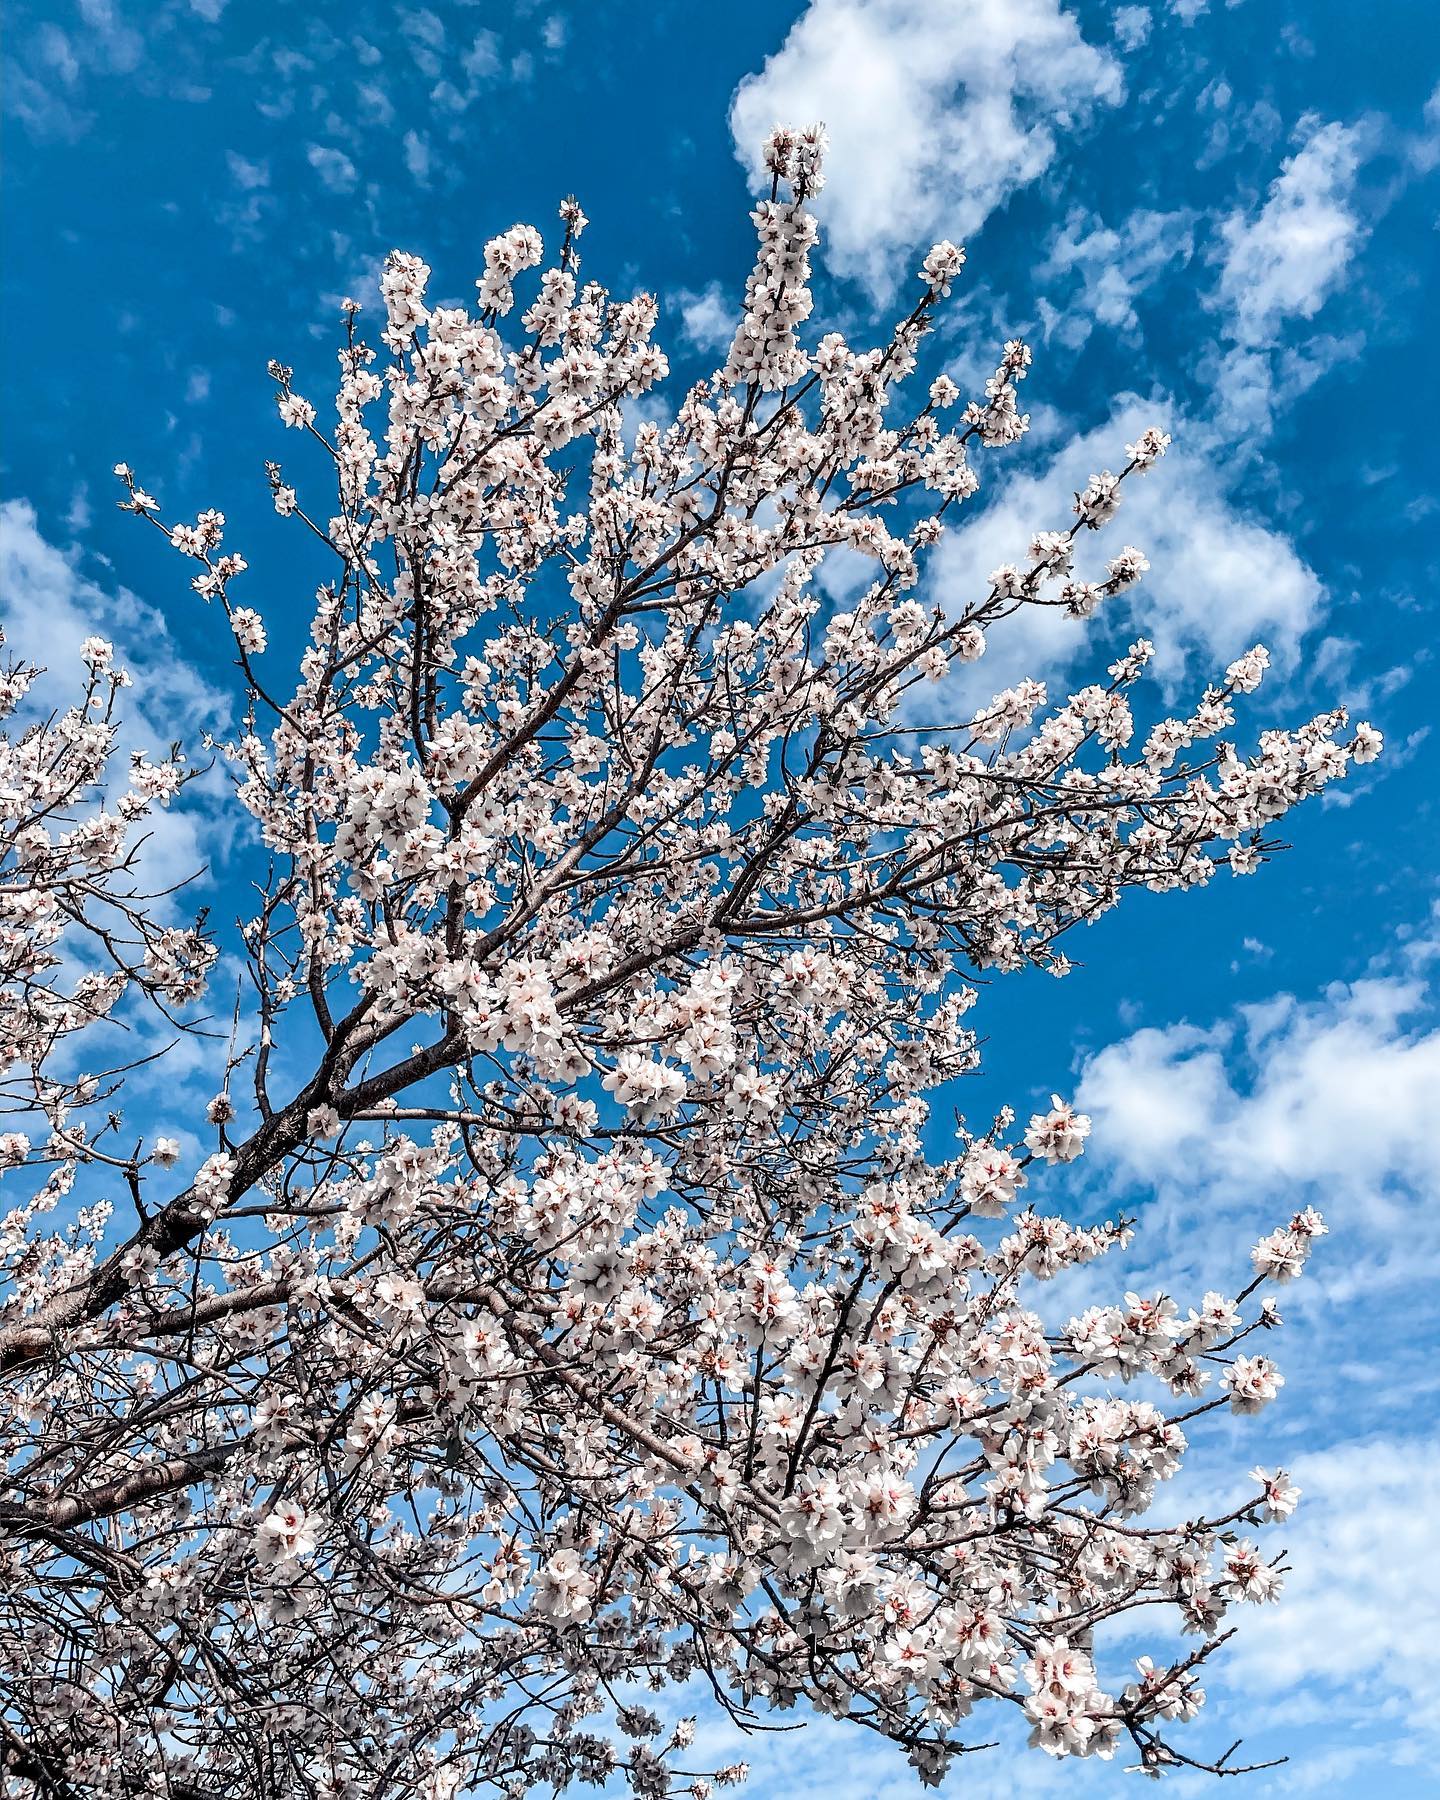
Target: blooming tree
[570,1294]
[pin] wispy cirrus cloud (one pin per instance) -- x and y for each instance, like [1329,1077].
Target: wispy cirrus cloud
[1279,263]
[1111,267]
[1284,260]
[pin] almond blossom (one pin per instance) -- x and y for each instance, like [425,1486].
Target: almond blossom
[585,1287]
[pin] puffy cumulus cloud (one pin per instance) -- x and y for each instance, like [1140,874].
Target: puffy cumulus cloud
[1132,25]
[1361,1600]
[707,318]
[1331,1102]
[1286,259]
[1219,579]
[936,114]
[1218,1130]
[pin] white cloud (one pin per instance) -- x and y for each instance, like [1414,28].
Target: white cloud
[1219,580]
[378,106]
[56,53]
[1284,261]
[481,64]
[707,319]
[417,156]
[1115,266]
[425,32]
[247,174]
[49,72]
[50,609]
[482,59]
[110,41]
[1331,1102]
[1424,148]
[936,115]
[1361,1605]
[1226,1127]
[1280,263]
[1132,25]
[333,167]
[1249,387]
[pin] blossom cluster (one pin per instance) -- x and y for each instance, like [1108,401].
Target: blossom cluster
[582,1292]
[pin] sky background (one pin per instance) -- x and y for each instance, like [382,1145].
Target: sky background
[1220,218]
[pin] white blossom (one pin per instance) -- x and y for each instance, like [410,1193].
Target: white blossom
[590,1280]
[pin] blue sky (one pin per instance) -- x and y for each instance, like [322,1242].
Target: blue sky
[1222,218]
